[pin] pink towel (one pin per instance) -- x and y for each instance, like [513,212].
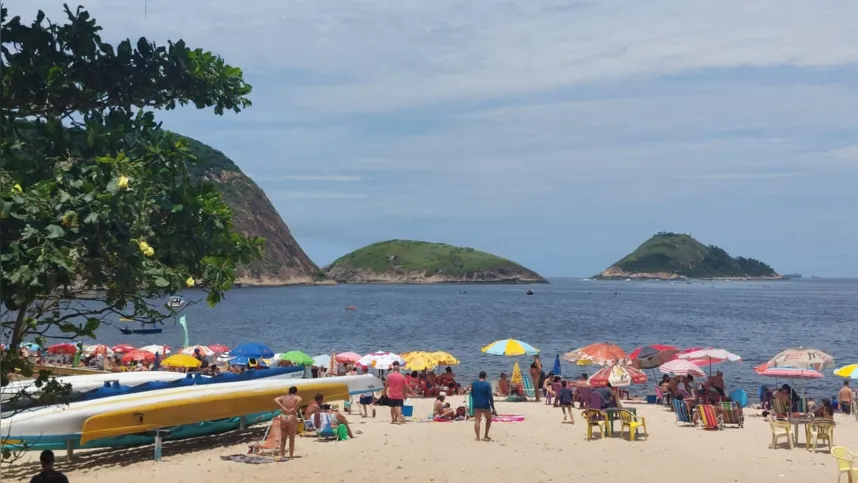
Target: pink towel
[508,418]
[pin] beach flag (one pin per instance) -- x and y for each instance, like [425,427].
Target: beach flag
[516,375]
[184,323]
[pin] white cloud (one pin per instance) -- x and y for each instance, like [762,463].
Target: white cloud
[378,55]
[316,195]
[848,154]
[310,177]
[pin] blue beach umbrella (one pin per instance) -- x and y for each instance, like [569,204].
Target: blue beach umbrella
[253,350]
[510,347]
[31,346]
[556,369]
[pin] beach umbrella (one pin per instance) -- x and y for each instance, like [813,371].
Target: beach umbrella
[516,377]
[384,363]
[372,359]
[31,346]
[299,358]
[556,369]
[600,353]
[347,357]
[709,356]
[252,350]
[510,347]
[681,367]
[219,348]
[322,360]
[804,358]
[787,372]
[618,375]
[244,360]
[137,356]
[444,358]
[205,351]
[99,349]
[122,348]
[652,356]
[849,372]
[181,360]
[420,364]
[65,348]
[156,349]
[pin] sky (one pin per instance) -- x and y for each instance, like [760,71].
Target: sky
[559,134]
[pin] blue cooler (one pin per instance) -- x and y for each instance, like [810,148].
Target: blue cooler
[651,399]
[407,411]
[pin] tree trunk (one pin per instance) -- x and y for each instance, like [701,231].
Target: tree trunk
[18,330]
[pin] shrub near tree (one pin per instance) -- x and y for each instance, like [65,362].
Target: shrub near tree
[98,213]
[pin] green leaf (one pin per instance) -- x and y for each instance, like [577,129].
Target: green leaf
[161,282]
[112,188]
[178,208]
[54,231]
[91,218]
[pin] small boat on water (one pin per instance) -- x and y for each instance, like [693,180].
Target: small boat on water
[120,420]
[529,292]
[351,307]
[176,302]
[142,330]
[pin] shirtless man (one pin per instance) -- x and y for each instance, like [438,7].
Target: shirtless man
[289,404]
[845,398]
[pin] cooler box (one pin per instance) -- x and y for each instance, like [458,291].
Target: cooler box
[407,411]
[651,399]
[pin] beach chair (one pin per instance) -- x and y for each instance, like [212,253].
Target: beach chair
[583,394]
[632,422]
[270,440]
[595,419]
[732,413]
[780,429]
[529,391]
[682,413]
[820,430]
[780,408]
[845,463]
[596,401]
[660,398]
[709,417]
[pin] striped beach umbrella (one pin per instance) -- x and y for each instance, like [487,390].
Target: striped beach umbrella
[618,375]
[681,367]
[804,358]
[510,347]
[787,372]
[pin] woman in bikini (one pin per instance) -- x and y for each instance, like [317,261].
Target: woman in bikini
[536,375]
[290,403]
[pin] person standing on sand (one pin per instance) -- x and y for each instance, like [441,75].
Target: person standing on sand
[48,474]
[288,420]
[536,375]
[397,390]
[484,405]
[845,398]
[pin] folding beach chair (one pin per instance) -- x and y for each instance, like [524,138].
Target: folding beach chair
[683,415]
[732,413]
[709,418]
[529,391]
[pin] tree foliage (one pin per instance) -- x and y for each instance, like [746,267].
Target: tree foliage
[98,213]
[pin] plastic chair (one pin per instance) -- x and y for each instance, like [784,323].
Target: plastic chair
[820,429]
[780,429]
[845,463]
[632,422]
[595,418]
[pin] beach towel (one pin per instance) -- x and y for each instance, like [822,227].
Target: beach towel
[249,459]
[516,399]
[342,432]
[508,418]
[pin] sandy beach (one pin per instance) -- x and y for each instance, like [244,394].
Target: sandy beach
[539,449]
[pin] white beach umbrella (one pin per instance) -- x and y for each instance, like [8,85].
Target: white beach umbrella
[681,367]
[98,349]
[322,360]
[372,360]
[711,355]
[156,349]
[386,362]
[205,351]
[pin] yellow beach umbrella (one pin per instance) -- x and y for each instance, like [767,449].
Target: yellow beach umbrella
[181,360]
[419,364]
[516,375]
[510,347]
[445,358]
[849,372]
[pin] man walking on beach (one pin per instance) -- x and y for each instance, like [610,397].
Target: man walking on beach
[484,405]
[397,390]
[48,474]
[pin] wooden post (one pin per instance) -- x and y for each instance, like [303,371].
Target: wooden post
[242,423]
[69,450]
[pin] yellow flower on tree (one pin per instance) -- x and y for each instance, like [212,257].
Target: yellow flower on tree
[190,282]
[17,188]
[122,182]
[146,249]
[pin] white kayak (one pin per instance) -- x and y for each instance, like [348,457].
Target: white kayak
[66,421]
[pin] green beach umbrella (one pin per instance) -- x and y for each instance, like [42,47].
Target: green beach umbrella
[297,357]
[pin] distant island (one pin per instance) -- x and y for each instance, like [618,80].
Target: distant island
[408,261]
[670,256]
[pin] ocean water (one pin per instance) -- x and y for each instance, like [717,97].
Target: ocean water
[753,319]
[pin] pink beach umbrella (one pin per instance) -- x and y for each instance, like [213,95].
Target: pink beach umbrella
[787,372]
[347,357]
[681,367]
[122,348]
[191,350]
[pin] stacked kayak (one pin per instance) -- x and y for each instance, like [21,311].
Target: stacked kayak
[20,395]
[187,411]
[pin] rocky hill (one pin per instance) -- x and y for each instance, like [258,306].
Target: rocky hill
[284,262]
[407,261]
[674,256]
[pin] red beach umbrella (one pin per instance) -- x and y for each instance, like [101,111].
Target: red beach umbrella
[219,348]
[66,348]
[122,348]
[618,375]
[138,355]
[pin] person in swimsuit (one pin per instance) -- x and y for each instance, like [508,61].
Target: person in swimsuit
[536,375]
[289,404]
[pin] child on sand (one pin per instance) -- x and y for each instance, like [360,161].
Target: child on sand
[565,397]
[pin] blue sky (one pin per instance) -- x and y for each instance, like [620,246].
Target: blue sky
[560,134]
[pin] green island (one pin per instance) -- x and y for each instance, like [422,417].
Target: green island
[408,261]
[678,256]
